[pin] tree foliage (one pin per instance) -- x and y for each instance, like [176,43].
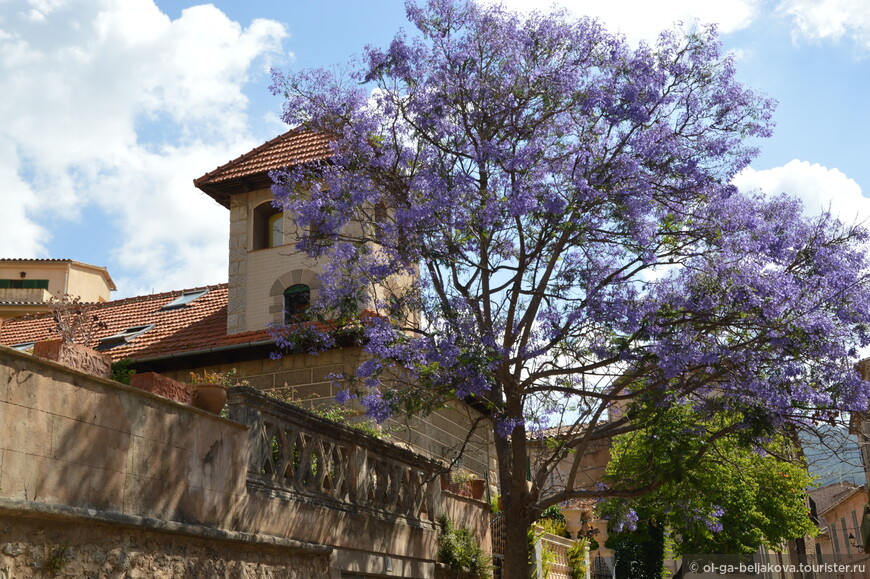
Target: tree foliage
[541,218]
[639,553]
[724,497]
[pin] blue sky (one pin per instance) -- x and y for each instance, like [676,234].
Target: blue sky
[111,108]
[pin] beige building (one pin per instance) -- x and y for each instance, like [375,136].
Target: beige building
[840,508]
[27,285]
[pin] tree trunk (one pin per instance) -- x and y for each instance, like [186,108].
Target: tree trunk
[516,555]
[517,502]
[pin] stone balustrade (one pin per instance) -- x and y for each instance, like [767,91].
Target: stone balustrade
[313,459]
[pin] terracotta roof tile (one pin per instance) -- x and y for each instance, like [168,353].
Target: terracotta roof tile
[196,327]
[292,148]
[828,496]
[199,325]
[34,260]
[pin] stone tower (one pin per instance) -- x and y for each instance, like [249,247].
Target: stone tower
[268,279]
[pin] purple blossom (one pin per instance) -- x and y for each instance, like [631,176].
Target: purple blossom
[628,521]
[505,427]
[344,396]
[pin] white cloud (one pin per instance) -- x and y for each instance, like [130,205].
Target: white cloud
[644,20]
[111,103]
[819,188]
[818,20]
[19,236]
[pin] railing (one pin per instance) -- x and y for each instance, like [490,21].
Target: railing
[25,294]
[297,452]
[558,546]
[559,566]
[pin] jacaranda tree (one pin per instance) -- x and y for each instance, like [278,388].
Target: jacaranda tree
[534,215]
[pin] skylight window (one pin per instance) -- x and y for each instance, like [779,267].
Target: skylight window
[184,299]
[22,347]
[124,337]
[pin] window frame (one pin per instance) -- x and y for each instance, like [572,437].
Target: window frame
[299,311]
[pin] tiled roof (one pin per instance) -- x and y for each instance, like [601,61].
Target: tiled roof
[197,326]
[294,147]
[52,260]
[828,496]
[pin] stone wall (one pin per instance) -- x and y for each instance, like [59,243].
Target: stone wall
[71,439]
[122,463]
[65,543]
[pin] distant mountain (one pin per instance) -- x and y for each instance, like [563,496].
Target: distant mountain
[833,457]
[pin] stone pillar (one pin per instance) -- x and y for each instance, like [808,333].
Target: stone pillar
[237,274]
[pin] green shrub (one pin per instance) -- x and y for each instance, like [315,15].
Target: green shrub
[577,558]
[460,551]
[121,371]
[554,527]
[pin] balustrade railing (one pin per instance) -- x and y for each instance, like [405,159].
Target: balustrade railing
[297,452]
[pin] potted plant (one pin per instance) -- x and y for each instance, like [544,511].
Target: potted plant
[210,389]
[463,483]
[76,326]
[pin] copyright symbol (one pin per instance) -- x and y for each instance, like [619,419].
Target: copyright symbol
[693,566]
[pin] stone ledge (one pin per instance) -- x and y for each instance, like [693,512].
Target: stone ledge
[37,510]
[105,382]
[271,492]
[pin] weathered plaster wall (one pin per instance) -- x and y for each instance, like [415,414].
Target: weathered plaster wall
[71,439]
[121,458]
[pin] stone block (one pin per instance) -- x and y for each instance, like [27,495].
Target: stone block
[150,497]
[250,368]
[27,388]
[264,382]
[88,444]
[106,489]
[159,460]
[25,430]
[163,386]
[6,374]
[75,356]
[24,475]
[108,409]
[293,378]
[322,374]
[311,392]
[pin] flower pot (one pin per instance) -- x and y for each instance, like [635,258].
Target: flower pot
[75,356]
[163,386]
[478,488]
[209,397]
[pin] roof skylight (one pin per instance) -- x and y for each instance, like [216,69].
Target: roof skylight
[184,299]
[123,337]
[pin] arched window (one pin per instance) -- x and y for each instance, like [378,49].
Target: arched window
[268,227]
[297,298]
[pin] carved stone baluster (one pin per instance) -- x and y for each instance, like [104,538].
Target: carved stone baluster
[432,494]
[415,492]
[304,474]
[358,475]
